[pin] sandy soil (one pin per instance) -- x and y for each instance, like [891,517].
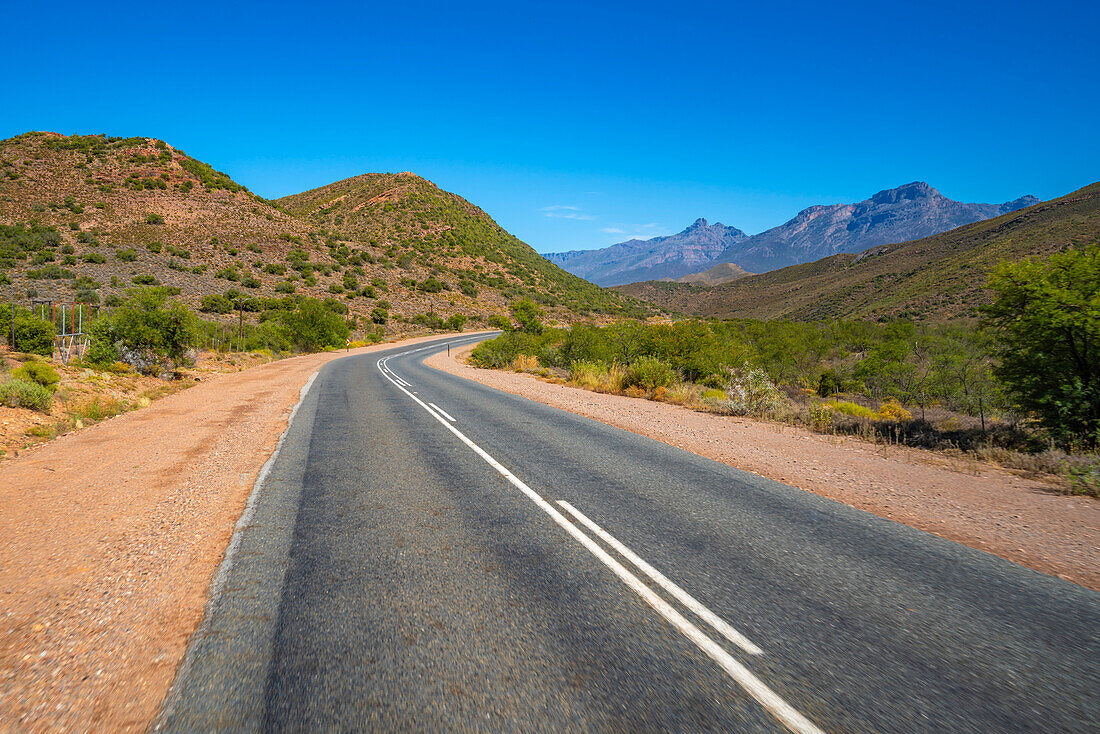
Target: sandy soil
[109,537]
[975,504]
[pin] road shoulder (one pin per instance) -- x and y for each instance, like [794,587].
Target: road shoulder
[976,505]
[109,538]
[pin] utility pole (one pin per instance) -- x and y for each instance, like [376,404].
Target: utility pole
[13,316]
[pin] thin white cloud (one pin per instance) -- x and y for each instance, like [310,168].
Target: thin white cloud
[561,211]
[612,230]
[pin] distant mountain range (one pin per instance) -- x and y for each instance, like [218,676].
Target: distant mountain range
[937,278]
[696,248]
[905,213]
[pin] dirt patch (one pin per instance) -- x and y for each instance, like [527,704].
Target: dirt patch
[109,537]
[974,504]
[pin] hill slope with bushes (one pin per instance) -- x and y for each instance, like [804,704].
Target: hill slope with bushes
[86,217]
[421,225]
[938,278]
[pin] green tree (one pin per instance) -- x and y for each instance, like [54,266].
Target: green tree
[313,326]
[1046,316]
[146,331]
[528,316]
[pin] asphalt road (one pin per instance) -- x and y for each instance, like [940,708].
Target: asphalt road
[401,570]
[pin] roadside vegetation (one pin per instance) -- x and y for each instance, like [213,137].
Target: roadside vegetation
[1021,389]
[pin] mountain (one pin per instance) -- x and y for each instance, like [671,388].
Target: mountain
[906,213]
[85,217]
[671,256]
[721,273]
[936,278]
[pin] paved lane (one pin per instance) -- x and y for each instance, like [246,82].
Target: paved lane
[393,578]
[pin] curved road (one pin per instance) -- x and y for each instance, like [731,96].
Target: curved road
[427,553]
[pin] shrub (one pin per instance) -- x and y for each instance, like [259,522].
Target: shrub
[145,280]
[215,303]
[455,322]
[524,363]
[312,326]
[496,321]
[528,316]
[154,219]
[23,394]
[128,255]
[146,332]
[598,376]
[752,392]
[649,373]
[39,373]
[893,412]
[32,335]
[93,257]
[432,285]
[847,407]
[1047,318]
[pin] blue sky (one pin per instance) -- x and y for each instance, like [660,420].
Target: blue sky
[577,125]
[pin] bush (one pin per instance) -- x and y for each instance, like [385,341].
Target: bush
[154,219]
[313,326]
[598,376]
[496,321]
[215,303]
[649,373]
[752,392]
[849,408]
[893,412]
[23,394]
[1047,317]
[455,322]
[528,316]
[128,255]
[94,257]
[32,335]
[39,373]
[146,332]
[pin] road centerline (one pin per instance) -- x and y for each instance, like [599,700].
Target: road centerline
[771,701]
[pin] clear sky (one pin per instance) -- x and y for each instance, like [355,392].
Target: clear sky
[577,125]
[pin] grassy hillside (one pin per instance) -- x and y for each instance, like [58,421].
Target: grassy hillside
[422,226]
[85,217]
[938,278]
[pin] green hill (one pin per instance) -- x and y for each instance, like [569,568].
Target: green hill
[938,278]
[420,225]
[84,217]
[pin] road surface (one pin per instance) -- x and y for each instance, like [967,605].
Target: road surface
[427,553]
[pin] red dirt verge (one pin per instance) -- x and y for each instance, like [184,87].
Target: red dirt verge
[109,537]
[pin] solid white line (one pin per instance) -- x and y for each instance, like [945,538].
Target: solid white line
[443,412]
[756,688]
[719,624]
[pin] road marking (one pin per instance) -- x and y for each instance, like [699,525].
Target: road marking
[755,687]
[719,624]
[443,412]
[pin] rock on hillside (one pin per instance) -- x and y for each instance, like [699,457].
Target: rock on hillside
[660,257]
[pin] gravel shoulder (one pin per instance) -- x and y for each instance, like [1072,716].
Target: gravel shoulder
[109,537]
[975,504]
